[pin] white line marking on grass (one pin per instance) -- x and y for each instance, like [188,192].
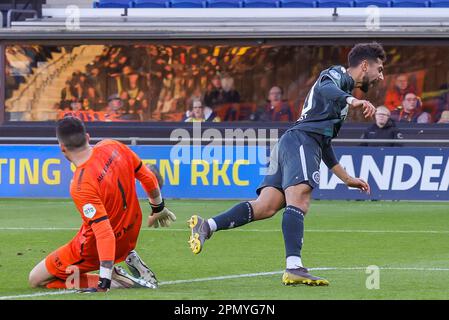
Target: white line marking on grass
[236,276]
[38,294]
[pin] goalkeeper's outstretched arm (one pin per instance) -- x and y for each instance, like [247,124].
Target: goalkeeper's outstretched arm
[151,181]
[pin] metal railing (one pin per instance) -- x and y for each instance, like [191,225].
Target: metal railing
[11,11]
[137,140]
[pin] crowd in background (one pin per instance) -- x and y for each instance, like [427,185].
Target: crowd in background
[233,83]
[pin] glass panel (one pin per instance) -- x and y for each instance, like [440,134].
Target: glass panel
[228,82]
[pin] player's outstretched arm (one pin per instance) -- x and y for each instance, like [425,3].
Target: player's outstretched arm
[352,182]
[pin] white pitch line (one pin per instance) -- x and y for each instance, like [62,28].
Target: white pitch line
[240,230]
[247,275]
[236,276]
[38,294]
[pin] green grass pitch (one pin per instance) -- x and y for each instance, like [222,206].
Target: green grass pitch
[408,241]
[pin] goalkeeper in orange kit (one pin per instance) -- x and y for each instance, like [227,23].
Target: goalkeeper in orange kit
[104,191]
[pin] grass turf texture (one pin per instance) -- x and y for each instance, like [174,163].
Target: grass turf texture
[347,236]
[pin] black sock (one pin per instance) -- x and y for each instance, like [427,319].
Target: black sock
[293,230]
[237,216]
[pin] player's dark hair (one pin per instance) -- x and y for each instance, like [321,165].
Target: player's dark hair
[71,132]
[366,51]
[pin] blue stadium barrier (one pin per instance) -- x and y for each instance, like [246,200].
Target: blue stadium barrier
[439,3]
[187,4]
[224,4]
[111,4]
[234,172]
[269,3]
[149,4]
[377,3]
[260,4]
[298,4]
[334,4]
[410,3]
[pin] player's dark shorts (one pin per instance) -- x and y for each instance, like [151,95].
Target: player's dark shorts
[295,159]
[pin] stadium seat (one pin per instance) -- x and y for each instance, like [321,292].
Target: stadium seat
[334,4]
[298,4]
[149,4]
[409,3]
[260,4]
[377,3]
[439,3]
[224,4]
[187,4]
[111,4]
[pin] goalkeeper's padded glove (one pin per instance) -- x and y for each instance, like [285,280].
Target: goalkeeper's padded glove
[160,216]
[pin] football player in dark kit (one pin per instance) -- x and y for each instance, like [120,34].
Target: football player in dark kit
[295,160]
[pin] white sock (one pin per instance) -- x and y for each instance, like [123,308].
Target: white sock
[212,224]
[294,262]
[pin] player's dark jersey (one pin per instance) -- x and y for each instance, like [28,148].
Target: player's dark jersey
[325,107]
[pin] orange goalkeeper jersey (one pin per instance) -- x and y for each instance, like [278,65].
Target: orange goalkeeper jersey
[104,188]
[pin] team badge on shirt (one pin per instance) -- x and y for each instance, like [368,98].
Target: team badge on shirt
[89,211]
[316,177]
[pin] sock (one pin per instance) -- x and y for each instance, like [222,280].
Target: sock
[212,225]
[294,262]
[86,280]
[237,216]
[293,231]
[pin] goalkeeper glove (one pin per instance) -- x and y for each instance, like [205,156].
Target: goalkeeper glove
[160,216]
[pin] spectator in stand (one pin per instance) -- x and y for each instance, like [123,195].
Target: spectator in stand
[276,109]
[394,97]
[68,95]
[135,95]
[214,94]
[98,79]
[114,111]
[410,110]
[230,95]
[200,113]
[444,117]
[383,128]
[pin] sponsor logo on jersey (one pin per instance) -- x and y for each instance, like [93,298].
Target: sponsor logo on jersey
[89,211]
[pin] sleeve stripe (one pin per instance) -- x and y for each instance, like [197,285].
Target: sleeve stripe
[98,220]
[138,167]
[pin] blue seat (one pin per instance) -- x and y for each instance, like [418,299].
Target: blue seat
[149,4]
[409,3]
[334,4]
[377,3]
[439,3]
[298,4]
[187,4]
[260,4]
[111,4]
[224,4]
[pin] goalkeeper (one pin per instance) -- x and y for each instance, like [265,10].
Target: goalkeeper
[104,191]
